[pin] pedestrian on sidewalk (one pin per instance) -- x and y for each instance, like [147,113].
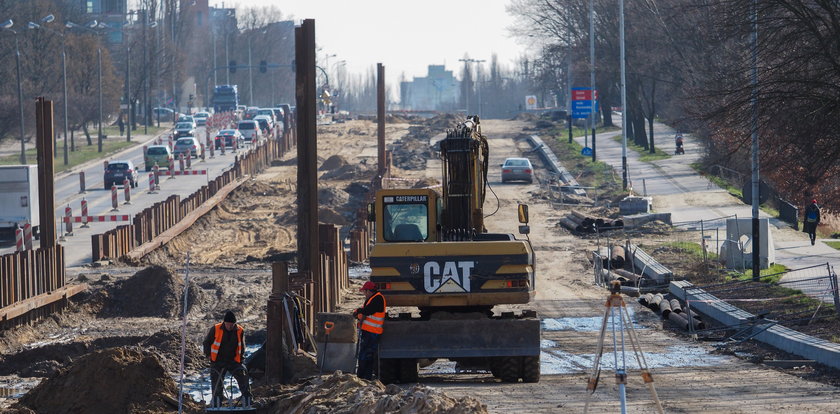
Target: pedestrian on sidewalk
[121,124]
[812,220]
[371,318]
[225,346]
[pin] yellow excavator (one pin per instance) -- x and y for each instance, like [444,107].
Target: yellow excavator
[434,253]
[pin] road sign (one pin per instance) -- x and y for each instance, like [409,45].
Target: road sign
[586,152]
[530,102]
[583,94]
[582,109]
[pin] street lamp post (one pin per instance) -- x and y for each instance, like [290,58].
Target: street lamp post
[7,25]
[89,27]
[467,103]
[49,19]
[250,75]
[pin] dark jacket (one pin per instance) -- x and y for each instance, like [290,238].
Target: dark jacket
[376,305]
[227,350]
[812,210]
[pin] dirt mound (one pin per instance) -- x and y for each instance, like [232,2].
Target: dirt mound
[332,197]
[425,183]
[153,291]
[116,380]
[330,216]
[331,163]
[166,344]
[346,393]
[524,116]
[444,121]
[349,172]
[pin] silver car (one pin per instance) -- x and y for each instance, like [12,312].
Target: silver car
[187,145]
[517,169]
[250,130]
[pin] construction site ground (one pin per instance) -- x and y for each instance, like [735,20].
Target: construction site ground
[232,247]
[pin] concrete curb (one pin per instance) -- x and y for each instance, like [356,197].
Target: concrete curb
[80,167]
[547,155]
[786,339]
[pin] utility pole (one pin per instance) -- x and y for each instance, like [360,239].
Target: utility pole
[469,90]
[756,234]
[250,75]
[20,102]
[99,59]
[380,121]
[128,92]
[623,99]
[145,77]
[593,115]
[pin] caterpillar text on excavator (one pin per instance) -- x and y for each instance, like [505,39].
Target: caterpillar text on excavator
[434,252]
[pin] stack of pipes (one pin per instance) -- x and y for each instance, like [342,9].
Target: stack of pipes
[672,310]
[580,223]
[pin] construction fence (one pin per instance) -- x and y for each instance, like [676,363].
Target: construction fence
[162,216]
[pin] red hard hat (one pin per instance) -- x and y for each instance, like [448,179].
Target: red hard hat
[368,286]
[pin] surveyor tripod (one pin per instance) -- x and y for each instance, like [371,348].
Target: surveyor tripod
[617,316]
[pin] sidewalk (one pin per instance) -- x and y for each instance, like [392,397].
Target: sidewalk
[677,189]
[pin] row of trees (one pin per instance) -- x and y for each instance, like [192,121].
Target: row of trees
[689,62]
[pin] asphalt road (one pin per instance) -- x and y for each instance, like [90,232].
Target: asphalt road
[78,246]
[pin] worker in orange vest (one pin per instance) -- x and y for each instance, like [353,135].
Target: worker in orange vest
[371,318]
[225,346]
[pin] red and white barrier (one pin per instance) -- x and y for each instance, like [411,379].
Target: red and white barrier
[127,190]
[203,152]
[189,159]
[185,172]
[84,212]
[68,226]
[151,183]
[114,201]
[156,172]
[181,162]
[27,236]
[19,239]
[212,146]
[98,219]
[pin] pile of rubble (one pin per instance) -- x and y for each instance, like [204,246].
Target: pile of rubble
[116,380]
[346,393]
[154,291]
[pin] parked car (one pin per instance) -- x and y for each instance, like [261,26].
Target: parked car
[201,118]
[250,130]
[117,171]
[184,129]
[159,154]
[517,169]
[191,144]
[227,136]
[266,125]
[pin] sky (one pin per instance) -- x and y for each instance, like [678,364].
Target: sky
[404,36]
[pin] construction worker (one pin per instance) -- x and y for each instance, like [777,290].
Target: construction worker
[812,220]
[225,346]
[371,318]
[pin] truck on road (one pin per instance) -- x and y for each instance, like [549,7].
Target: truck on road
[18,199]
[225,98]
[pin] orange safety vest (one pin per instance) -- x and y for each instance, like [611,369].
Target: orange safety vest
[217,343]
[373,323]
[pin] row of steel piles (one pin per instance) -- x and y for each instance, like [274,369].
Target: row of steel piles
[672,310]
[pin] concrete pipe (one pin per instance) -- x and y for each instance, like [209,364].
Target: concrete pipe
[628,275]
[679,320]
[617,256]
[675,306]
[665,308]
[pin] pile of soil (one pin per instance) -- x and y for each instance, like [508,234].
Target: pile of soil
[426,182]
[116,380]
[332,197]
[346,393]
[153,291]
[331,163]
[166,344]
[444,121]
[525,116]
[357,172]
